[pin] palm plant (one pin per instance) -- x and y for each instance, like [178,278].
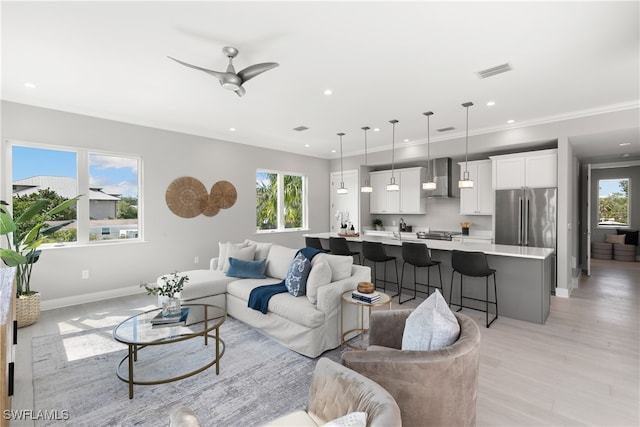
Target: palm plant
[25,235]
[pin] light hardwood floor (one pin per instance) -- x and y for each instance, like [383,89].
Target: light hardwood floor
[581,368]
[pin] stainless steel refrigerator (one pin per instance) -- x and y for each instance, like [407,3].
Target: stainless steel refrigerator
[527,217]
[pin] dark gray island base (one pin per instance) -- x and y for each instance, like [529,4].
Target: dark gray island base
[524,275]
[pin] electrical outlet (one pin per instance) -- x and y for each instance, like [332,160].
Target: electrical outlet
[85,274]
[196,259]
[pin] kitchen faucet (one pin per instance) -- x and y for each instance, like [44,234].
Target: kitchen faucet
[403,225]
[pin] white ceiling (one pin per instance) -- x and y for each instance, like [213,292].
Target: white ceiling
[382,60]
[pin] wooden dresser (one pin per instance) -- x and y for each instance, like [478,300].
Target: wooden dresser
[8,330]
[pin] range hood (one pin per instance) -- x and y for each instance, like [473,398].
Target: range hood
[440,170]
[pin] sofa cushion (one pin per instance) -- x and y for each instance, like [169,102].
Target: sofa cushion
[262,249]
[614,238]
[340,265]
[319,275]
[296,278]
[431,326]
[242,253]
[278,261]
[223,247]
[352,419]
[247,269]
[630,236]
[204,283]
[297,310]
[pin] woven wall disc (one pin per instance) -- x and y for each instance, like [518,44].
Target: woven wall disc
[224,194]
[212,208]
[186,197]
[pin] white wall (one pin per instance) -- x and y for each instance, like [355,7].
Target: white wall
[170,242]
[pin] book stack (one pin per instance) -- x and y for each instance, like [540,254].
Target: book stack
[160,321]
[368,298]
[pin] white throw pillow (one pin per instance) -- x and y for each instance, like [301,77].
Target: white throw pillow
[242,253]
[340,265]
[352,419]
[223,247]
[262,249]
[320,275]
[278,261]
[431,326]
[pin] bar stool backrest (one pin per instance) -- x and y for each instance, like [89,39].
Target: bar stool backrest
[339,246]
[374,251]
[472,264]
[313,242]
[416,254]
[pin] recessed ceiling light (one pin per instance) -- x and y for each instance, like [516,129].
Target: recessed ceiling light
[30,85]
[376,129]
[333,151]
[626,155]
[328,91]
[406,140]
[511,121]
[624,144]
[232,129]
[307,145]
[491,103]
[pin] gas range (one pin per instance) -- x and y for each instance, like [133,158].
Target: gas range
[437,235]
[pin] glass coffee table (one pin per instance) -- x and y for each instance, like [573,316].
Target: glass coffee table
[138,332]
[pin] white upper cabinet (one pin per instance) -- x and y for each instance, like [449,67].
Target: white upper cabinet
[409,200]
[479,199]
[536,169]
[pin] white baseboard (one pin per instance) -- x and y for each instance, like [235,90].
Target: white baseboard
[92,297]
[563,292]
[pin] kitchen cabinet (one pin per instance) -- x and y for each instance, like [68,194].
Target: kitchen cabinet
[347,204]
[411,199]
[535,169]
[479,199]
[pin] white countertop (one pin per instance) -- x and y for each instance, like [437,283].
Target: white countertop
[444,245]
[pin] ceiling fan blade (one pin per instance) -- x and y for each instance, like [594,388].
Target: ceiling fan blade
[217,74]
[253,70]
[240,91]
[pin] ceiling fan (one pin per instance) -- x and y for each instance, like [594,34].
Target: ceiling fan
[230,79]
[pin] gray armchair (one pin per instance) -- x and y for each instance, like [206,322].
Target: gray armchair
[432,388]
[336,391]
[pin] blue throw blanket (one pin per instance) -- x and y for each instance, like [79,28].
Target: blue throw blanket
[260,296]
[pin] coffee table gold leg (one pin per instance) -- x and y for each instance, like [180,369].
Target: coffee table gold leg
[132,351]
[217,351]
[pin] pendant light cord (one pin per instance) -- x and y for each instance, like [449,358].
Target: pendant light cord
[341,176]
[466,145]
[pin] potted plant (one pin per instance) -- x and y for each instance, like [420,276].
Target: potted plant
[168,290]
[24,236]
[377,223]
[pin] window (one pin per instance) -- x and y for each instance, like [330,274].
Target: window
[613,202]
[280,201]
[108,183]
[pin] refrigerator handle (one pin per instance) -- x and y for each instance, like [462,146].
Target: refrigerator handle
[526,224]
[519,220]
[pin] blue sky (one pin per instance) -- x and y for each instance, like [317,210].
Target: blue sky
[114,174]
[609,186]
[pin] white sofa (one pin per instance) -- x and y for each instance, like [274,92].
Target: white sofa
[308,324]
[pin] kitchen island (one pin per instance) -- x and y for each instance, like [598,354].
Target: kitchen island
[524,274]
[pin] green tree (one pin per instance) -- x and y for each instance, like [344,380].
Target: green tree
[53,199]
[266,201]
[293,201]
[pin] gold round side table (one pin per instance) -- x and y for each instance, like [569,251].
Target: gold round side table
[347,299]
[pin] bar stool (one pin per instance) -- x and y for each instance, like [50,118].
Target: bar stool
[339,246]
[474,264]
[314,242]
[374,252]
[417,255]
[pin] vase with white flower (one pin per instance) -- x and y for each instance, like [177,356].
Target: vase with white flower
[168,289]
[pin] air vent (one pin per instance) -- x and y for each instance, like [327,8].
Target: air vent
[301,128]
[446,129]
[502,68]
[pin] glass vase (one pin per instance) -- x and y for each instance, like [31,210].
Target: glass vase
[171,307]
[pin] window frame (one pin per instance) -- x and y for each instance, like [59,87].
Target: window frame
[83,221]
[280,202]
[614,226]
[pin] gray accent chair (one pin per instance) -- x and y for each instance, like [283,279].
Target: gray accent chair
[432,388]
[336,391]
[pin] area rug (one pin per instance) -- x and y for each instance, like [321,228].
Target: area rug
[74,377]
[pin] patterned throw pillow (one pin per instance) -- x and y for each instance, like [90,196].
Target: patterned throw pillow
[296,278]
[431,326]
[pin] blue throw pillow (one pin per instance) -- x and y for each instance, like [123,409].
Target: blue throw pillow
[246,269]
[296,278]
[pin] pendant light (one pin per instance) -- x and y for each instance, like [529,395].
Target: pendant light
[341,189]
[366,188]
[430,184]
[465,182]
[392,186]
